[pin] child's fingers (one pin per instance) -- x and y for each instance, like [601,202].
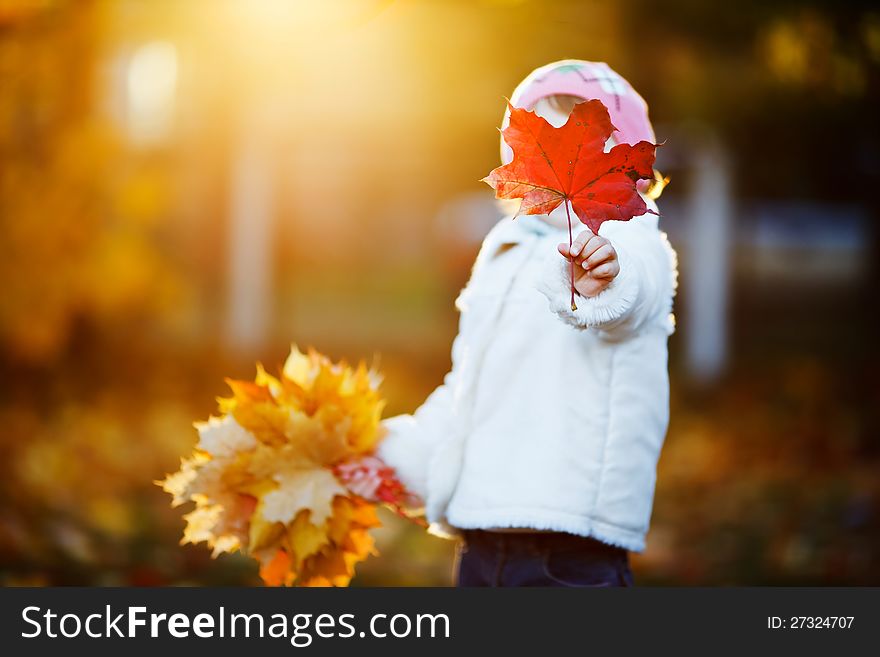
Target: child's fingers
[580,242]
[566,250]
[592,246]
[372,462]
[606,270]
[366,487]
[602,254]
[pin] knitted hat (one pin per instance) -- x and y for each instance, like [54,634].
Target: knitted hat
[587,80]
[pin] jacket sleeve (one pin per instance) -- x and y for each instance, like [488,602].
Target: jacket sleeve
[641,294]
[410,439]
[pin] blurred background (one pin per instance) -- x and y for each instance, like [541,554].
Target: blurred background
[188,187]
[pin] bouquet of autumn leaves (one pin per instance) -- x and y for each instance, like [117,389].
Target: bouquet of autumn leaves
[279,475]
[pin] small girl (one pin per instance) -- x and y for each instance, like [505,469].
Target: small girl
[540,447]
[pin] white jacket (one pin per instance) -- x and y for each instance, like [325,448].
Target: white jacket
[550,418]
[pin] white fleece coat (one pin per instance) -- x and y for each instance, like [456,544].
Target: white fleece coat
[550,419]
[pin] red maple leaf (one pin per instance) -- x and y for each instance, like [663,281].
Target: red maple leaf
[569,165]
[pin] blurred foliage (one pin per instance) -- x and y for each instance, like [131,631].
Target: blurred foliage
[769,479]
[113,257]
[70,208]
[774,79]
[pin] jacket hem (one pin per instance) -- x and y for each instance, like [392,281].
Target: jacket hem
[541,519]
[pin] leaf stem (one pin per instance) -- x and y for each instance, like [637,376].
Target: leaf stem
[570,259]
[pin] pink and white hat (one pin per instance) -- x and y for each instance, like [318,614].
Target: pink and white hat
[587,80]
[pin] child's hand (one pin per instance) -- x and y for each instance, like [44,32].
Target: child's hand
[371,478]
[595,261]
[363,477]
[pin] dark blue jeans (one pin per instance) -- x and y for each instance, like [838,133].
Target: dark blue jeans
[541,559]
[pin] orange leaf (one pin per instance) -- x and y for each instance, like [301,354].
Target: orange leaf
[277,571]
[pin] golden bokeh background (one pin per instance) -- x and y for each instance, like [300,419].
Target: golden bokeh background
[189,187]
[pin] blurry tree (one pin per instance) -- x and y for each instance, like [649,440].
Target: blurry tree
[71,207]
[81,261]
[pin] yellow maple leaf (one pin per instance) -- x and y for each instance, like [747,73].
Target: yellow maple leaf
[305,539]
[299,368]
[263,533]
[261,475]
[313,490]
[224,436]
[178,484]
